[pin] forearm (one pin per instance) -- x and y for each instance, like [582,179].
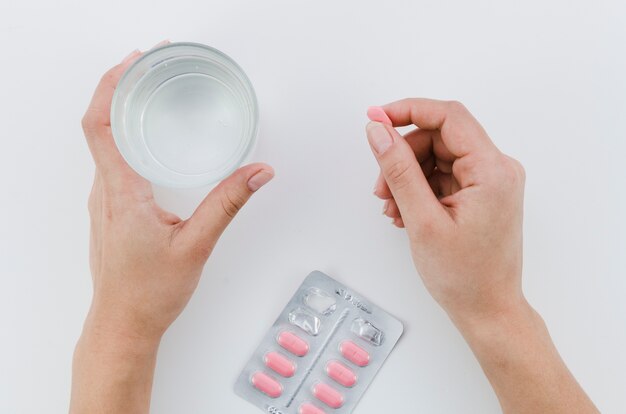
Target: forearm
[112,372]
[524,367]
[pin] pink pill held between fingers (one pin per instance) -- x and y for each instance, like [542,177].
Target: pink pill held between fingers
[293,343]
[279,364]
[328,395]
[308,408]
[354,353]
[341,373]
[377,114]
[267,385]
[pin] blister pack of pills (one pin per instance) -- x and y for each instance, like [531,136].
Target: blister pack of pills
[322,352]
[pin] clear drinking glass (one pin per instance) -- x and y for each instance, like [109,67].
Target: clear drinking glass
[184,115]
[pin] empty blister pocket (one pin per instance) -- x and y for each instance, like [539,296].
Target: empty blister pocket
[305,320]
[366,331]
[320,301]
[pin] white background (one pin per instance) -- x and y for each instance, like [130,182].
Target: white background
[546,79]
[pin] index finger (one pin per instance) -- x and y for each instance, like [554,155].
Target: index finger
[460,131]
[98,113]
[97,121]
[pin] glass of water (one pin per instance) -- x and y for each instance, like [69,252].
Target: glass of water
[184,115]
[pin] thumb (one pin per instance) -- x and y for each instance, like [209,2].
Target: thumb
[404,176]
[220,206]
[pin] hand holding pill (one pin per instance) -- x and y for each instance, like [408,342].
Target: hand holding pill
[461,202]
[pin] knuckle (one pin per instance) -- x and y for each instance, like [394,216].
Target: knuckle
[476,168]
[461,165]
[92,121]
[456,107]
[87,122]
[232,202]
[398,172]
[511,173]
[519,170]
[514,170]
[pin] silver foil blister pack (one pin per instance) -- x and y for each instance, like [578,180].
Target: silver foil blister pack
[322,352]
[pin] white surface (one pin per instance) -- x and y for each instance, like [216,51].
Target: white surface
[545,78]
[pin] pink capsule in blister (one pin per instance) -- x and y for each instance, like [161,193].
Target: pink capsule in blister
[308,408]
[279,364]
[293,343]
[354,353]
[328,395]
[341,373]
[267,384]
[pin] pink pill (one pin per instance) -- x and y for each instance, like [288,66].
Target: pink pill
[308,408]
[328,395]
[280,364]
[354,353]
[377,114]
[341,373]
[292,343]
[267,385]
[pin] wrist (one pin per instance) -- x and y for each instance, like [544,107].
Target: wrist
[118,331]
[113,316]
[514,349]
[492,300]
[500,326]
[112,368]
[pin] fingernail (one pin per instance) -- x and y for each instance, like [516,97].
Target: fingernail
[162,43]
[375,190]
[378,136]
[378,114]
[385,206]
[259,179]
[130,55]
